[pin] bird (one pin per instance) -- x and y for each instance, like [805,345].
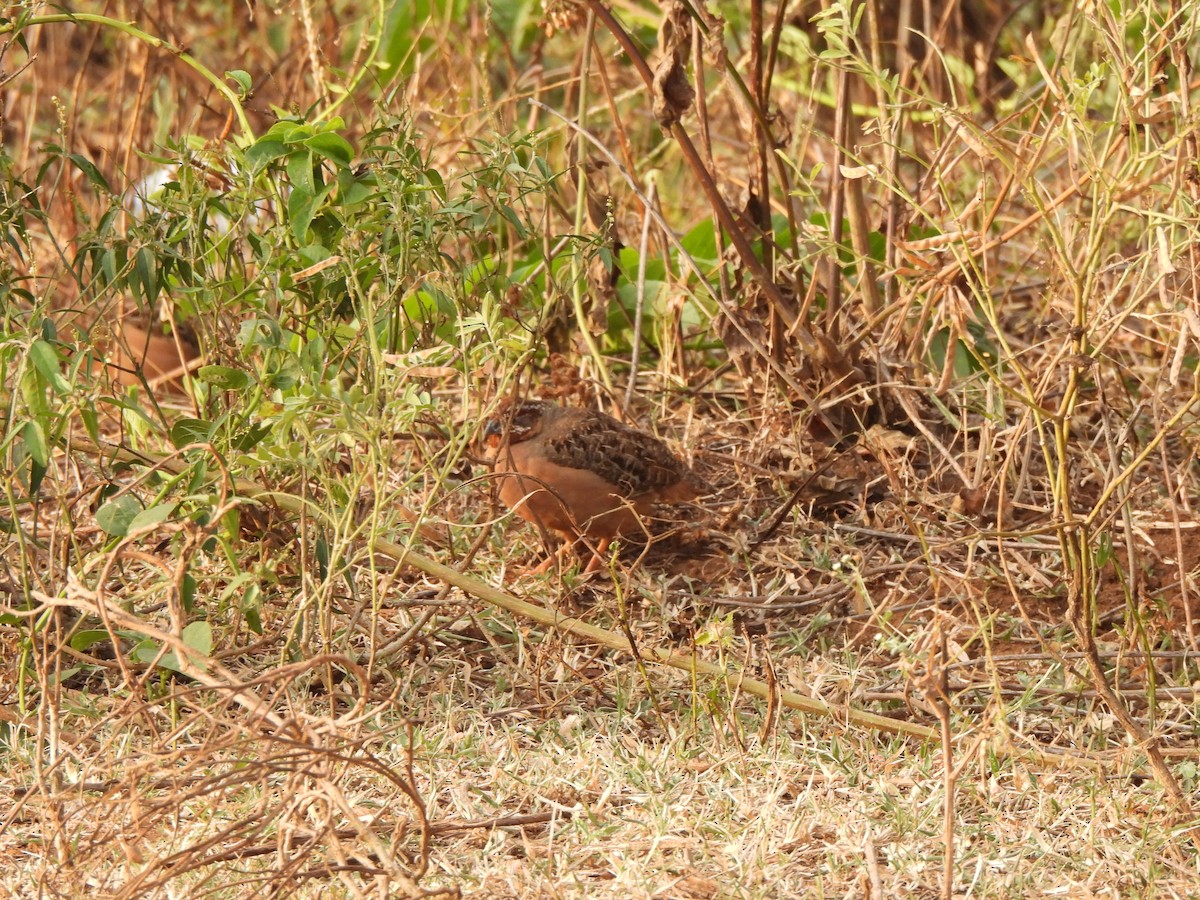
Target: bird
[582,474]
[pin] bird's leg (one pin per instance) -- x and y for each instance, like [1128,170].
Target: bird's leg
[598,556]
[546,564]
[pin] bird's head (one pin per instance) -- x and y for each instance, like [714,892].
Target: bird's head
[516,421]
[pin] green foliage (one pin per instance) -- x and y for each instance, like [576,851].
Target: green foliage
[197,637]
[19,205]
[967,354]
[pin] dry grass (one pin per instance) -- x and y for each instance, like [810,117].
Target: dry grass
[932,633]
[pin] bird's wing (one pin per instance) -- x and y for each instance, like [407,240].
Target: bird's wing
[632,461]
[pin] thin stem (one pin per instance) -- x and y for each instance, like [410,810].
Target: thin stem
[157,42]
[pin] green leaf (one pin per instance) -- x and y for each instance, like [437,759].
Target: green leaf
[33,392]
[224,377]
[34,438]
[115,516]
[333,147]
[262,152]
[413,26]
[242,79]
[91,422]
[191,431]
[252,608]
[656,269]
[396,42]
[251,438]
[88,168]
[199,477]
[513,219]
[187,592]
[261,332]
[144,651]
[88,638]
[285,376]
[36,473]
[198,636]
[302,208]
[300,172]
[299,133]
[322,557]
[64,675]
[46,361]
[312,357]
[144,278]
[148,518]
[282,131]
[701,243]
